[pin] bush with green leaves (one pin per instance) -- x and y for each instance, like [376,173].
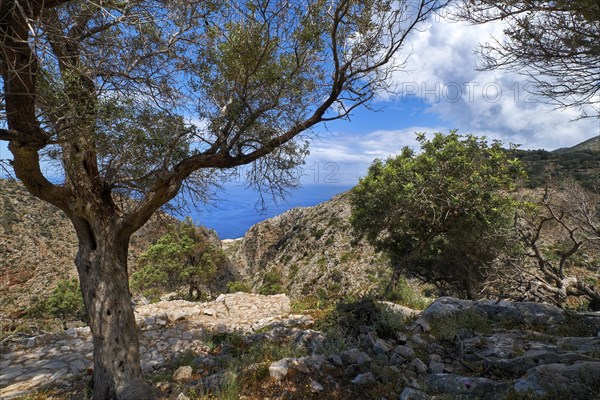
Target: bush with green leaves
[440,213]
[238,286]
[272,283]
[182,258]
[345,320]
[66,302]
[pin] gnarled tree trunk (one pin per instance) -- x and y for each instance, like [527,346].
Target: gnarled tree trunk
[102,265]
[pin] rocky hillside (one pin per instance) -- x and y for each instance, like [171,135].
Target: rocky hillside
[244,346]
[309,250]
[38,245]
[592,144]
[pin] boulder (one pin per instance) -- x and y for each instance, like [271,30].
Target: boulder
[183,374]
[577,381]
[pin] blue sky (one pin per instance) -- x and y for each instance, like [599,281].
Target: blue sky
[440,89]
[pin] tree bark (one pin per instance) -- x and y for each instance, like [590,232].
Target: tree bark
[102,265]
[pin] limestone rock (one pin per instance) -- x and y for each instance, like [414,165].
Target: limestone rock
[316,387]
[363,379]
[419,366]
[413,394]
[279,369]
[405,352]
[578,381]
[183,374]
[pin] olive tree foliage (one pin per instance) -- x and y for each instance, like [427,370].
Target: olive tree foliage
[441,214]
[135,99]
[555,43]
[183,258]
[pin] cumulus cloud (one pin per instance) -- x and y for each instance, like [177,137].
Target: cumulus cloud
[442,72]
[341,158]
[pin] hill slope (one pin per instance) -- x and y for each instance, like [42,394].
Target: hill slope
[306,251]
[38,246]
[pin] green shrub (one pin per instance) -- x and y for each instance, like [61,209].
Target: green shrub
[183,257]
[272,283]
[66,302]
[440,213]
[404,293]
[348,316]
[238,286]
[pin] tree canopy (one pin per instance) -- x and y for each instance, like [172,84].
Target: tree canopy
[438,213]
[134,99]
[182,258]
[556,43]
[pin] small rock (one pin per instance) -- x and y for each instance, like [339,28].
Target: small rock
[315,386]
[210,312]
[405,352]
[279,369]
[336,360]
[355,356]
[381,347]
[422,325]
[395,359]
[370,339]
[413,394]
[183,374]
[419,366]
[382,359]
[401,337]
[436,367]
[182,397]
[363,379]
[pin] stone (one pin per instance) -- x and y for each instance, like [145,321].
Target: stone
[422,325]
[458,386]
[381,347]
[183,374]
[182,397]
[579,381]
[381,359]
[363,379]
[355,356]
[436,367]
[370,339]
[395,359]
[413,394]
[335,360]
[316,387]
[405,352]
[419,366]
[279,369]
[209,311]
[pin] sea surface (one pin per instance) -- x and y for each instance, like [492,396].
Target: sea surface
[238,208]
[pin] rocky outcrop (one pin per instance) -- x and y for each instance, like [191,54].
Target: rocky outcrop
[454,349]
[167,329]
[310,250]
[38,248]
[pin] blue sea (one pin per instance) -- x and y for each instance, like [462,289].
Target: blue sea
[238,208]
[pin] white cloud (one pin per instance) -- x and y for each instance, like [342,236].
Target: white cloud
[342,158]
[442,71]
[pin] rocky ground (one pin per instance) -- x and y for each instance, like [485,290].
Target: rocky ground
[254,347]
[309,251]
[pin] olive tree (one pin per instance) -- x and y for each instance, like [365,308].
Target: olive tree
[184,257]
[555,43]
[441,214]
[133,100]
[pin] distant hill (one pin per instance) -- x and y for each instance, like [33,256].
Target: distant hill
[580,162]
[592,144]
